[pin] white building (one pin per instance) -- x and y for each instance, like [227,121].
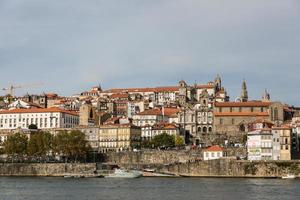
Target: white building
[149,117]
[148,132]
[260,144]
[134,107]
[213,153]
[43,118]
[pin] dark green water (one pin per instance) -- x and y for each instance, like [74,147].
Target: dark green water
[147,188]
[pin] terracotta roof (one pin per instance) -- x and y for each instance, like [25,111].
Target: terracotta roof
[154,111]
[156,89]
[214,148]
[119,95]
[243,104]
[282,128]
[218,114]
[164,126]
[38,110]
[157,111]
[119,126]
[112,120]
[171,111]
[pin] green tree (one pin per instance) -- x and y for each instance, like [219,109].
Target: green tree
[16,145]
[163,141]
[72,145]
[179,141]
[39,144]
[147,144]
[32,127]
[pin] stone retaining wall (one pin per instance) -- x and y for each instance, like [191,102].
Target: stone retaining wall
[233,168]
[45,169]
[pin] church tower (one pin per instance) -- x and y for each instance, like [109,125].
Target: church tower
[218,83]
[244,92]
[266,96]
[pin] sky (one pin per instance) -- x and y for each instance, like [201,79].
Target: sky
[71,45]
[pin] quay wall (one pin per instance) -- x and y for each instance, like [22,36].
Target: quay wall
[156,157]
[190,163]
[233,168]
[45,169]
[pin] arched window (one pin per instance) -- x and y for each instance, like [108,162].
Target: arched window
[210,129]
[199,129]
[204,129]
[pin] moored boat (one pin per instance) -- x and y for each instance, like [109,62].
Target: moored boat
[289,176]
[121,173]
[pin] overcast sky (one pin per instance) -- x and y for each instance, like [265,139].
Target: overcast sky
[71,45]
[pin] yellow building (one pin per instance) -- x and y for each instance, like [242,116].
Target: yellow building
[285,134]
[119,137]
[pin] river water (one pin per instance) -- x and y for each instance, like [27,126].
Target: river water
[147,188]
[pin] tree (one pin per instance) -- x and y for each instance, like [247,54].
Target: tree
[16,145]
[32,127]
[72,145]
[39,144]
[179,141]
[163,141]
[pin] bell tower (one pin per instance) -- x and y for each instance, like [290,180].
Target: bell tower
[244,92]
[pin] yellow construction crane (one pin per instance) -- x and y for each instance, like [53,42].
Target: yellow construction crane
[11,89]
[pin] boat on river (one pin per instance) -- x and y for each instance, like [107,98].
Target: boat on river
[289,176]
[122,173]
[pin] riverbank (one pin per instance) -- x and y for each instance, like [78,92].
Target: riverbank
[222,168]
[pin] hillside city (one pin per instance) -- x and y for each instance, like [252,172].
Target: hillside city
[196,116]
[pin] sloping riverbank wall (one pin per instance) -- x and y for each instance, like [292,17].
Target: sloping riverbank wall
[233,168]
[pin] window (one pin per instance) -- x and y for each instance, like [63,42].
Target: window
[221,121]
[220,109]
[261,109]
[232,121]
[230,109]
[252,109]
[240,109]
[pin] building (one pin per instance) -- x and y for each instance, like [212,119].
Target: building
[43,118]
[285,134]
[232,118]
[213,153]
[149,117]
[148,132]
[134,107]
[260,144]
[119,137]
[91,135]
[266,142]
[87,115]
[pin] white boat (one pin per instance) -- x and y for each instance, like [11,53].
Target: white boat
[121,173]
[289,176]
